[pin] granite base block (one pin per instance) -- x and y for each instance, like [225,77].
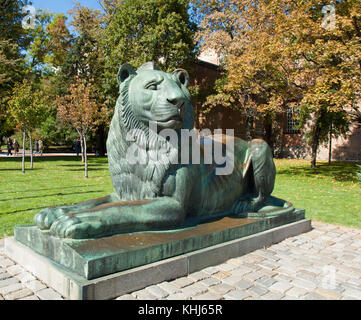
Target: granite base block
[75,287]
[94,258]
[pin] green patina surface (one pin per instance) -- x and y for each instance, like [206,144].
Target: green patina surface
[93,258]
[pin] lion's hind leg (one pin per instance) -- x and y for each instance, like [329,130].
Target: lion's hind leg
[263,173]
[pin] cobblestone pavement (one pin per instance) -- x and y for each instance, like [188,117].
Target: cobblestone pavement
[324,263]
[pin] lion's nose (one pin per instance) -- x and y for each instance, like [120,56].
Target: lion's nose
[176,101]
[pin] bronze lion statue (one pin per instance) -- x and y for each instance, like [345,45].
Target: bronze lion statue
[167,194]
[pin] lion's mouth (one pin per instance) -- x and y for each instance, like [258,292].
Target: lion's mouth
[174,119]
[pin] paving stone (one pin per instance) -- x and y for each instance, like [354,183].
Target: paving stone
[48,294]
[182,282]
[353,293]
[18,294]
[281,286]
[4,275]
[210,281]
[25,277]
[5,262]
[258,290]
[211,270]
[158,292]
[11,288]
[197,276]
[208,296]
[241,271]
[236,295]
[15,269]
[283,278]
[221,288]
[177,296]
[269,264]
[305,284]
[313,296]
[126,297]
[6,282]
[243,284]
[265,281]
[33,297]
[194,290]
[35,285]
[231,280]
[253,276]
[170,288]
[296,292]
[221,275]
[272,296]
[329,293]
[227,266]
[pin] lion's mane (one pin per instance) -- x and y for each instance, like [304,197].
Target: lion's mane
[135,181]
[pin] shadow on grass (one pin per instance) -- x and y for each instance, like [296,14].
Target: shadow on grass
[50,195]
[46,189]
[55,158]
[339,171]
[23,210]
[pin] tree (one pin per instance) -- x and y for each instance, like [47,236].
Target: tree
[282,53]
[27,109]
[80,109]
[137,31]
[85,60]
[13,41]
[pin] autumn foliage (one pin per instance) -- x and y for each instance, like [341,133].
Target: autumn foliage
[279,53]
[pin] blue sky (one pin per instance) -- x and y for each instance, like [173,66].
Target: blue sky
[63,6]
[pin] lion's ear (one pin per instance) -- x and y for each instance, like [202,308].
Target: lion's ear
[183,76]
[124,72]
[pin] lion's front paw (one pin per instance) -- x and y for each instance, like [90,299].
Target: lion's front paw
[45,218]
[77,227]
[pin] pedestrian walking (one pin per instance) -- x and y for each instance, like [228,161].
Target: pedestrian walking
[16,147]
[9,145]
[36,151]
[41,147]
[77,147]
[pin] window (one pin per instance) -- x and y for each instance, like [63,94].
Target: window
[292,120]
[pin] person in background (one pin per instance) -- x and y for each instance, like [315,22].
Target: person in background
[36,147]
[16,148]
[41,147]
[9,145]
[77,147]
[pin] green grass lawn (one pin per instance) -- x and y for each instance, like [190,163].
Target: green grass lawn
[328,193]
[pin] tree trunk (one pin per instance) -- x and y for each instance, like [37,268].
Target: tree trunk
[330,146]
[23,159]
[85,157]
[82,147]
[31,152]
[315,143]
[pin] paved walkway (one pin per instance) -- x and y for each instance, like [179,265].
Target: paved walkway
[324,263]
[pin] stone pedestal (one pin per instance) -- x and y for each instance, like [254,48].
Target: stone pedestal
[108,267]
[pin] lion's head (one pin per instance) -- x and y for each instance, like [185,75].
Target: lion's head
[147,95]
[157,96]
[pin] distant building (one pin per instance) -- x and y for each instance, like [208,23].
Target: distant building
[290,142]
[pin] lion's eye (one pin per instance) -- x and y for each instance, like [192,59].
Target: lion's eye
[152,86]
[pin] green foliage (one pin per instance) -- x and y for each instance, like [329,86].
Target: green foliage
[13,40]
[138,31]
[26,106]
